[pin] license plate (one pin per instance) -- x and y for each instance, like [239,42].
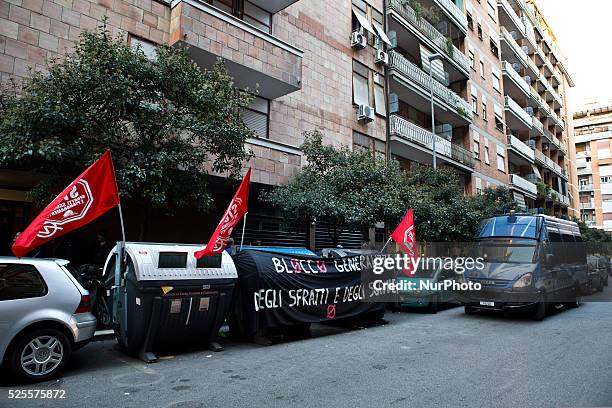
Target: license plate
[485,303]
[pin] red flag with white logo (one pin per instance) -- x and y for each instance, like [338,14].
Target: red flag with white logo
[233,214]
[89,196]
[405,237]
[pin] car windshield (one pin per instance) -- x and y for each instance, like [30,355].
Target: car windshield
[507,250]
[509,226]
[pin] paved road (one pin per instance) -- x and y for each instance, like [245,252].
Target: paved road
[417,360]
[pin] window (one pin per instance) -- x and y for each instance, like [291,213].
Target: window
[606,179]
[366,143]
[256,117]
[484,110]
[472,60]
[501,158]
[496,81]
[499,118]
[478,183]
[475,104]
[379,95]
[476,146]
[149,48]
[491,6]
[368,88]
[246,11]
[479,31]
[470,21]
[494,47]
[361,92]
[482,68]
[19,281]
[257,16]
[486,152]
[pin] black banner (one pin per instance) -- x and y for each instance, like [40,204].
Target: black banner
[275,290]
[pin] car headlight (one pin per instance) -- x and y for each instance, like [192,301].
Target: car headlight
[523,281]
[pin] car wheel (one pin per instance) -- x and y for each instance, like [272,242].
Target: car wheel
[40,354]
[433,304]
[468,309]
[540,311]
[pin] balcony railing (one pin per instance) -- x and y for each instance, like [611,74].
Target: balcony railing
[523,185]
[540,157]
[514,45]
[537,125]
[409,131]
[429,31]
[516,77]
[420,77]
[586,187]
[518,111]
[588,205]
[518,145]
[513,16]
[564,200]
[455,13]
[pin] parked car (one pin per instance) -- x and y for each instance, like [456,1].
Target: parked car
[597,272]
[531,262]
[427,293]
[45,314]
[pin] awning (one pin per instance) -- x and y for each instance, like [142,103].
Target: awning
[382,34]
[520,200]
[363,21]
[536,171]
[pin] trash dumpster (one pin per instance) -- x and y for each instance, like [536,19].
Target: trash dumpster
[164,299]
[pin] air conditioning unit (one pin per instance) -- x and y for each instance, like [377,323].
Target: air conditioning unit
[365,114]
[358,40]
[529,110]
[531,144]
[381,57]
[527,79]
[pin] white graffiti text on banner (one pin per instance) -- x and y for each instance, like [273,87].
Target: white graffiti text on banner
[73,207]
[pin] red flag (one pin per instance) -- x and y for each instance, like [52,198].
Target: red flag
[92,194]
[233,214]
[405,237]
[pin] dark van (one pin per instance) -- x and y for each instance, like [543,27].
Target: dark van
[531,262]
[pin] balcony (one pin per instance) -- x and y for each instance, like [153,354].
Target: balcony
[589,205]
[273,6]
[253,57]
[583,171]
[509,18]
[516,117]
[413,84]
[583,155]
[403,18]
[519,152]
[511,50]
[451,13]
[537,128]
[586,187]
[564,200]
[415,143]
[524,186]
[514,84]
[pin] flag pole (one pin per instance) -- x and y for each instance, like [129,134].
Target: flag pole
[384,246]
[243,227]
[121,220]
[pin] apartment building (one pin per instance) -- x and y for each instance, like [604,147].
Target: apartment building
[539,129]
[364,73]
[593,128]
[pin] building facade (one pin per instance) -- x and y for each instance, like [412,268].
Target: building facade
[593,127]
[364,73]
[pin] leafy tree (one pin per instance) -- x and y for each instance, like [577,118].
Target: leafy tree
[343,187]
[166,121]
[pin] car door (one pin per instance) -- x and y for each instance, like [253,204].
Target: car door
[22,290]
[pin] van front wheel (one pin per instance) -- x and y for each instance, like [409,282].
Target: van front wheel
[540,312]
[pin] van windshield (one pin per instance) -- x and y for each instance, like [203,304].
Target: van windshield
[516,226]
[507,250]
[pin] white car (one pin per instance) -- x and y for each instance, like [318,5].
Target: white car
[45,314]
